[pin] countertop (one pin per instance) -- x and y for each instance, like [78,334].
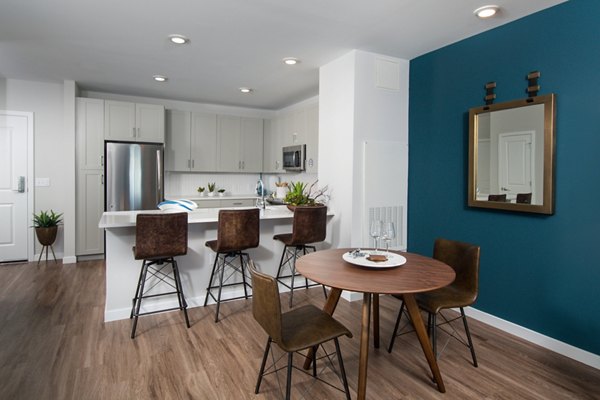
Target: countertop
[196,197]
[121,219]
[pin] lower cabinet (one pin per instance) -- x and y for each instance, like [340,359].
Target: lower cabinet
[222,203]
[90,206]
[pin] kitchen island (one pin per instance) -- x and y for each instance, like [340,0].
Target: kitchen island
[122,270]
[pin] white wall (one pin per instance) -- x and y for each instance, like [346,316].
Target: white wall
[353,109]
[53,149]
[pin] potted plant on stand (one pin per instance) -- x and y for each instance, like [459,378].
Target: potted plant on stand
[300,194]
[46,226]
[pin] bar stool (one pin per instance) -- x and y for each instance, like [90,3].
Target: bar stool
[309,226]
[237,230]
[158,239]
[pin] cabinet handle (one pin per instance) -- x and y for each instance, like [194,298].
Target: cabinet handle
[102,161]
[193,163]
[138,132]
[239,165]
[243,164]
[133,131]
[188,163]
[276,165]
[237,204]
[102,179]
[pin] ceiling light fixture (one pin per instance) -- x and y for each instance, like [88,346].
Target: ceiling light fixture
[160,78]
[486,11]
[246,90]
[290,61]
[178,39]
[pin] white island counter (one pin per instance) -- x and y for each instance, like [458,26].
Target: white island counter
[122,270]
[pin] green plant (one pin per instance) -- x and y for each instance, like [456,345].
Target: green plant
[221,190]
[300,194]
[201,189]
[46,219]
[212,186]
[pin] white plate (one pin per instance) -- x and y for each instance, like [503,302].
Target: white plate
[394,260]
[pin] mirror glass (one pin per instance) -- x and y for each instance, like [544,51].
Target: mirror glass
[511,155]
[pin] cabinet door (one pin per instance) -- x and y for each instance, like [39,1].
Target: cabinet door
[286,129]
[312,139]
[229,144]
[150,123]
[119,120]
[272,153]
[90,205]
[177,144]
[90,133]
[204,142]
[238,203]
[299,126]
[252,145]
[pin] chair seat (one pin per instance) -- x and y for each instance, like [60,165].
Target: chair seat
[308,326]
[446,297]
[286,238]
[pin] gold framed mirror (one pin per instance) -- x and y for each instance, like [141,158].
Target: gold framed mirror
[511,155]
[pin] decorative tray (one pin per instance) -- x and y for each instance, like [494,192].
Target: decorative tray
[365,259]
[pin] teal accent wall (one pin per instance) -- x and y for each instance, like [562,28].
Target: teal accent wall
[540,272]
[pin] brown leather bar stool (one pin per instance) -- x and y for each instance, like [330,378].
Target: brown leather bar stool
[238,230]
[309,226]
[306,327]
[158,239]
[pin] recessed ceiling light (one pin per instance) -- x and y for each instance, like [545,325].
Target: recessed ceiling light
[290,61]
[178,39]
[246,90]
[486,11]
[160,78]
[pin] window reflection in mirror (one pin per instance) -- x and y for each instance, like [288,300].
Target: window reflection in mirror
[511,155]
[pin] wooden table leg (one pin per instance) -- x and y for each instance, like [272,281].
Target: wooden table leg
[329,308]
[376,320]
[417,321]
[363,358]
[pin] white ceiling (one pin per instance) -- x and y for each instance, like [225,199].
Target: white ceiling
[117,45]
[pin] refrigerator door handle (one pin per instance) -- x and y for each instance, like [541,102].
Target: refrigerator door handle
[159,174]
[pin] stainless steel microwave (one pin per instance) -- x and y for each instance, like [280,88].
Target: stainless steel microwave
[294,157]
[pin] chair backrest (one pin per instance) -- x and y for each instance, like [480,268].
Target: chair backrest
[464,259]
[497,197]
[238,229]
[524,198]
[266,306]
[310,225]
[161,235]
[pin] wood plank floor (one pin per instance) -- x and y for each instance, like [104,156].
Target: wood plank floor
[55,345]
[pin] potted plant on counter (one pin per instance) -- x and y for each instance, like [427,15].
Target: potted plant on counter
[300,194]
[46,227]
[201,190]
[221,192]
[211,189]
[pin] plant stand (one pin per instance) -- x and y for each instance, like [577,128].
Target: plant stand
[46,237]
[42,252]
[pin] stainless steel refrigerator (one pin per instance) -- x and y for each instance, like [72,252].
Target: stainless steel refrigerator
[134,176]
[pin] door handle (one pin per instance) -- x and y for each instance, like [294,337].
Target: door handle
[505,189]
[20,185]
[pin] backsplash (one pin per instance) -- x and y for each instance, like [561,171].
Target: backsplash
[186,184]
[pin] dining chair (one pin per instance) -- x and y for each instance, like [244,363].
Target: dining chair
[464,259]
[306,327]
[497,197]
[159,238]
[308,227]
[524,198]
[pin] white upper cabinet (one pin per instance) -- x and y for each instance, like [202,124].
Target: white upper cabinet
[312,139]
[191,141]
[240,144]
[272,154]
[134,122]
[90,133]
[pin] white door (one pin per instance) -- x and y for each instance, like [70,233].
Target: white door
[515,168]
[14,217]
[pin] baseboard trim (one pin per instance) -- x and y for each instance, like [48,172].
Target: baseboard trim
[567,350]
[69,260]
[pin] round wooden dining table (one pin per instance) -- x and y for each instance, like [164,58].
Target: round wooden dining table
[418,274]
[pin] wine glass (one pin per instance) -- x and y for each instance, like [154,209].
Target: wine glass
[388,234]
[375,232]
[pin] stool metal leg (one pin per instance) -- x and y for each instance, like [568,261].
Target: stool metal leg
[210,281]
[262,365]
[342,369]
[293,268]
[179,288]
[288,388]
[222,272]
[396,328]
[470,341]
[244,283]
[138,300]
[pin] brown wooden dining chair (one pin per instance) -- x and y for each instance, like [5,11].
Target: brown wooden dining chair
[497,197]
[309,227]
[306,327]
[464,259]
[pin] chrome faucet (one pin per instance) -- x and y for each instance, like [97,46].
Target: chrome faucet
[261,187]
